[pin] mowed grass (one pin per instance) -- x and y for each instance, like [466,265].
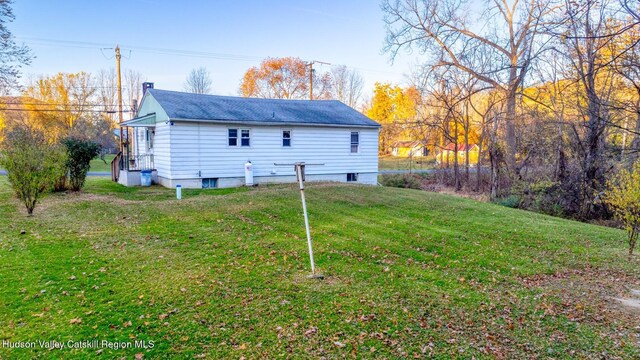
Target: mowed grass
[98,165]
[223,274]
[388,162]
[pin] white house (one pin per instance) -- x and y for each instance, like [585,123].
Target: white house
[202,141]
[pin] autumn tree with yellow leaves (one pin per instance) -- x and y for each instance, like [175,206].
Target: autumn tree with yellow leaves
[395,109]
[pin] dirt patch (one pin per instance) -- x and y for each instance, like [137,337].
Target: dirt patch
[74,197]
[590,295]
[631,305]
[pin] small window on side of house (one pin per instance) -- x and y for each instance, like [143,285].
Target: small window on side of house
[210,183]
[286,138]
[245,137]
[352,177]
[355,141]
[233,137]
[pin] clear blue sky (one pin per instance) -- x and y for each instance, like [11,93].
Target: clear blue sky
[338,32]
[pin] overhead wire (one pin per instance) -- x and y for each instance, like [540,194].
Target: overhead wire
[168,51]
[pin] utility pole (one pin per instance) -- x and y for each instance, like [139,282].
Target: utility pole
[118,57]
[119,84]
[311,80]
[310,64]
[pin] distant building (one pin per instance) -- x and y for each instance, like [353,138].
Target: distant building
[202,141]
[409,149]
[446,155]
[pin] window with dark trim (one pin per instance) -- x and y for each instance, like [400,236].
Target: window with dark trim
[351,177]
[233,137]
[286,138]
[245,137]
[355,141]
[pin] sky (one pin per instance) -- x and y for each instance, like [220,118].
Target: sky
[225,36]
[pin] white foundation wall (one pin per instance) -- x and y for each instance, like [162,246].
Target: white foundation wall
[196,183]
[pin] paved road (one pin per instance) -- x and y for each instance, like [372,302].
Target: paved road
[90,173]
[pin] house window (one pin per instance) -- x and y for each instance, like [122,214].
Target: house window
[355,141]
[149,135]
[351,177]
[286,138]
[233,137]
[211,183]
[245,139]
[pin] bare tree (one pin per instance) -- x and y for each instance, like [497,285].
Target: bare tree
[198,81]
[12,55]
[107,92]
[133,87]
[634,12]
[500,55]
[347,85]
[627,66]
[587,38]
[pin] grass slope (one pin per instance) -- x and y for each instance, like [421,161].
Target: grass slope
[98,165]
[389,162]
[222,273]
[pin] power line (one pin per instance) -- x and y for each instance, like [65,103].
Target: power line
[68,105]
[155,50]
[169,51]
[61,110]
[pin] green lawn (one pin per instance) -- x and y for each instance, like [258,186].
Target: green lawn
[98,165]
[222,274]
[388,162]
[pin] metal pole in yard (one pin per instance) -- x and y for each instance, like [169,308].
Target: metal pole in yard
[299,169]
[299,175]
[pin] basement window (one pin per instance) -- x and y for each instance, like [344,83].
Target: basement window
[352,177]
[210,183]
[355,141]
[286,138]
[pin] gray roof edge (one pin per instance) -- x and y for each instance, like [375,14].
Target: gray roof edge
[364,120]
[276,123]
[152,90]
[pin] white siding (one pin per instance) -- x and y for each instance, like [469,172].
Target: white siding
[201,150]
[162,149]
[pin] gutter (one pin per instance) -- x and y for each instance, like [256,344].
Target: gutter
[275,123]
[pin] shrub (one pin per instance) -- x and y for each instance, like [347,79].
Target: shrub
[79,155]
[512,201]
[409,181]
[623,195]
[32,165]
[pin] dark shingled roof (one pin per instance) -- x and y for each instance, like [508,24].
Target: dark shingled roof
[187,106]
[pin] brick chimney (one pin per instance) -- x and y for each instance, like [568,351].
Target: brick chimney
[145,86]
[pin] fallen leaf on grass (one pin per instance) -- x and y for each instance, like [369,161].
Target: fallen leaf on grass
[75,321]
[312,330]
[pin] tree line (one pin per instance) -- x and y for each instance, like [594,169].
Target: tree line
[548,89]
